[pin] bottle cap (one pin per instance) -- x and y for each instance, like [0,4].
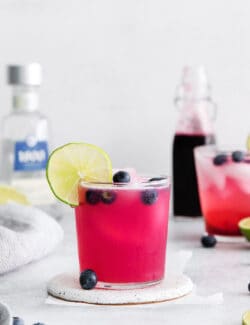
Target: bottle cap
[28,74]
[194,83]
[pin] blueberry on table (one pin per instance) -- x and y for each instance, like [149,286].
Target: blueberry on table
[249,286]
[208,241]
[17,321]
[88,279]
[220,159]
[108,197]
[149,196]
[121,177]
[93,196]
[238,156]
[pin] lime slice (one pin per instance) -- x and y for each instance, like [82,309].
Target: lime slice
[244,226]
[73,162]
[8,193]
[248,143]
[246,318]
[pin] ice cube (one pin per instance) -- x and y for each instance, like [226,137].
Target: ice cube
[240,172]
[209,174]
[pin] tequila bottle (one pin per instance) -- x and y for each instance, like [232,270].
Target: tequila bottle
[25,136]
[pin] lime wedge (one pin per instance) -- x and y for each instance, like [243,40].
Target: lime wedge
[248,143]
[73,162]
[8,194]
[246,318]
[244,226]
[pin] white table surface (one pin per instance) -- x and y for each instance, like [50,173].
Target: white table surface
[225,269]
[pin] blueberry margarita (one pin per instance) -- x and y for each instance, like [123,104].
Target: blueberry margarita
[121,217]
[122,231]
[224,189]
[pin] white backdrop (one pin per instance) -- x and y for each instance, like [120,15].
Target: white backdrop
[111,68]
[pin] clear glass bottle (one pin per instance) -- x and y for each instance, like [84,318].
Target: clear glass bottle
[194,128]
[25,137]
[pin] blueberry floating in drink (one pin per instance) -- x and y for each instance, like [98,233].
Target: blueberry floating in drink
[149,197]
[88,279]
[108,196]
[93,196]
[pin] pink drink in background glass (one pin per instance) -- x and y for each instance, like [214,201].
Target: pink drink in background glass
[124,241]
[224,191]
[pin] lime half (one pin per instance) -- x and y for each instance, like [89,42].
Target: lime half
[246,318]
[244,226]
[10,194]
[248,143]
[73,162]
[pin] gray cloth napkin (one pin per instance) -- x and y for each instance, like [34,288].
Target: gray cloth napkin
[5,316]
[26,234]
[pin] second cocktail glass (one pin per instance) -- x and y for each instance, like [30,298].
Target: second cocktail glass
[224,188]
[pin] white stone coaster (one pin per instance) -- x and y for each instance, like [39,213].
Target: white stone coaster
[66,286]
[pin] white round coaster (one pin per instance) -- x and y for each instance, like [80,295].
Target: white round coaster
[66,286]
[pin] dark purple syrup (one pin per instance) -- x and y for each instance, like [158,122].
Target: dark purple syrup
[185,188]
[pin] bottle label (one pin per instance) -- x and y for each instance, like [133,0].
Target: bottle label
[30,155]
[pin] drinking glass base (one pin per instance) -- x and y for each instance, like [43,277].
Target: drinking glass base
[66,286]
[230,239]
[125,286]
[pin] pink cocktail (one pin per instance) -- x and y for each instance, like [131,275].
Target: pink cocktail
[122,231]
[224,189]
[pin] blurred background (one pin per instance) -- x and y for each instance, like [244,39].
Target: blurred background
[111,69]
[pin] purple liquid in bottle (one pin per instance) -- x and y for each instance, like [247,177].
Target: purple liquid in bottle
[194,129]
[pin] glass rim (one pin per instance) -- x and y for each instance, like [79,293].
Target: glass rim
[213,149]
[148,181]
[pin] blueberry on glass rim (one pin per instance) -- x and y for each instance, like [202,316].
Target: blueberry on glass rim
[208,241]
[220,159]
[93,196]
[238,156]
[108,197]
[149,196]
[88,279]
[156,179]
[121,177]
